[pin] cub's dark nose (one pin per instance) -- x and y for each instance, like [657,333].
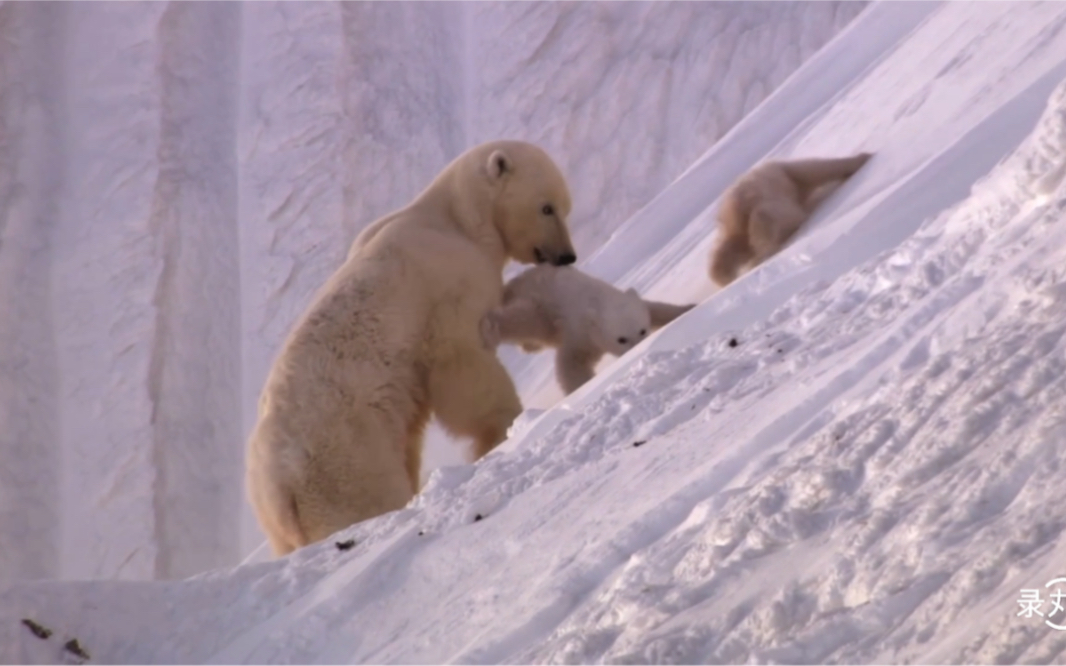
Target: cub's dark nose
[566,259]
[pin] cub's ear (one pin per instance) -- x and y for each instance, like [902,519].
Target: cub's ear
[499,165]
[632,291]
[664,313]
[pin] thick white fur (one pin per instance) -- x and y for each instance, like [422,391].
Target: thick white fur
[761,212]
[581,316]
[393,337]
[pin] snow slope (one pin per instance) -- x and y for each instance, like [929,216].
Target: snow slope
[869,475]
[177,178]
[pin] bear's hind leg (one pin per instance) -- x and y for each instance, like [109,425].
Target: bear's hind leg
[773,223]
[731,253]
[574,366]
[327,511]
[473,396]
[280,546]
[282,541]
[358,471]
[413,450]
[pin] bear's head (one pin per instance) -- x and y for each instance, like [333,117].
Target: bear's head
[621,322]
[530,204]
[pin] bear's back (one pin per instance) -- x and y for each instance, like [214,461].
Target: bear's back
[768,180]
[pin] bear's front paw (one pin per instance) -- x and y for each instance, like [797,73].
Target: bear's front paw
[490,330]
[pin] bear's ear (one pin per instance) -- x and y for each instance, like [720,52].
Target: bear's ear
[632,291]
[499,165]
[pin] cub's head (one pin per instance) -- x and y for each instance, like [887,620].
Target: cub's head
[621,323]
[531,204]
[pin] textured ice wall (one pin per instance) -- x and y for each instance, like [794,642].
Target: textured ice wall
[29,400]
[146,290]
[176,180]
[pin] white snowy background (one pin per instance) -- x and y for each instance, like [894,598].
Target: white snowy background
[852,454]
[176,179]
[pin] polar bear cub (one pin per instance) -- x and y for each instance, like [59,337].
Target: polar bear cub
[768,205]
[581,316]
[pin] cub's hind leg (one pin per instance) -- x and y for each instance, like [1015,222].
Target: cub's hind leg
[574,366]
[772,224]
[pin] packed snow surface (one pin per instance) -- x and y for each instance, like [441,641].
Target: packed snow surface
[852,454]
[177,179]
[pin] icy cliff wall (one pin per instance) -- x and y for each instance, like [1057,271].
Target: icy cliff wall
[176,179]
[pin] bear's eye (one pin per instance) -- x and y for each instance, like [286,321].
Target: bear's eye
[643,332]
[548,209]
[622,341]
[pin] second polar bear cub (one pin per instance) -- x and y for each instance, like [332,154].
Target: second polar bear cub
[581,316]
[768,205]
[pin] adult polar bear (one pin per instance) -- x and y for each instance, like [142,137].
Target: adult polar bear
[393,337]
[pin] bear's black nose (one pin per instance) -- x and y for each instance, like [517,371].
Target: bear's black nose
[566,259]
